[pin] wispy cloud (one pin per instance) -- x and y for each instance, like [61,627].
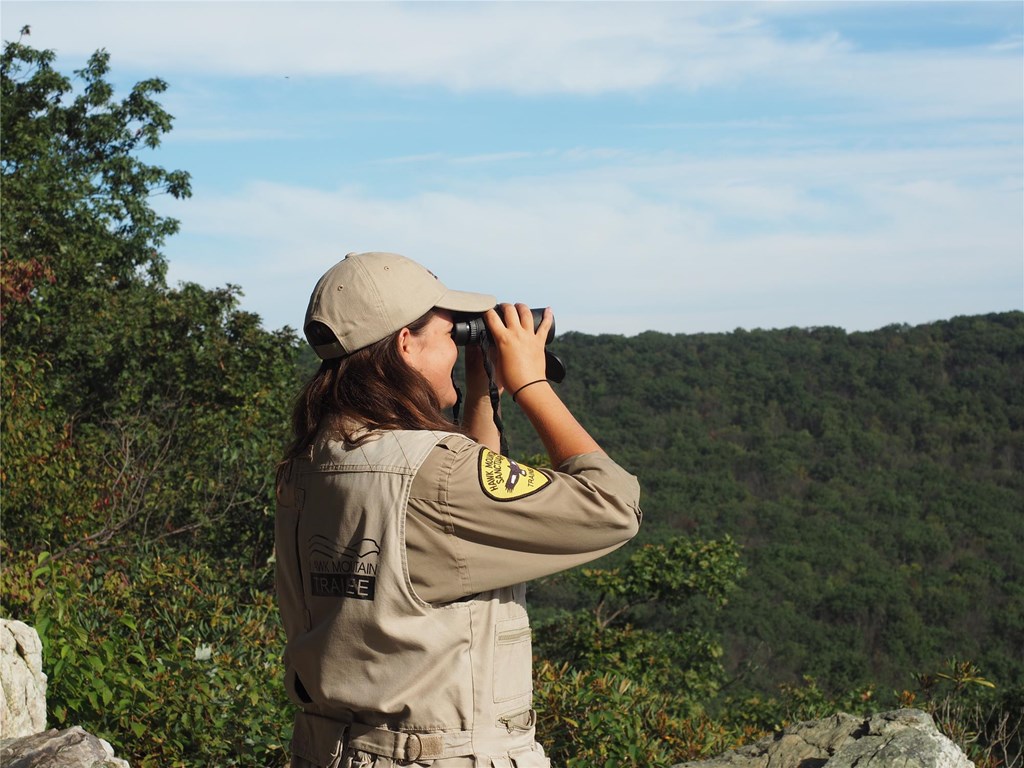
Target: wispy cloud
[514,47]
[662,237]
[680,166]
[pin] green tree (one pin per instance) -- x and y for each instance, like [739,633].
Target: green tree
[672,590]
[164,408]
[77,228]
[613,693]
[141,426]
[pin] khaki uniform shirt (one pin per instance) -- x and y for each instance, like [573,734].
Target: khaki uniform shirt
[383,656]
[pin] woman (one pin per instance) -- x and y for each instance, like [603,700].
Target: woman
[403,540]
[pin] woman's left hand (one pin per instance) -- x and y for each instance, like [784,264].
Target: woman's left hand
[476,374]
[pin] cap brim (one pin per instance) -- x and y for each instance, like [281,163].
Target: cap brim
[463,301]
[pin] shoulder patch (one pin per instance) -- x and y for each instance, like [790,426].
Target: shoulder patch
[504,480]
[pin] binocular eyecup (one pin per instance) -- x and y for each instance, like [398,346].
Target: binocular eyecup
[467,331]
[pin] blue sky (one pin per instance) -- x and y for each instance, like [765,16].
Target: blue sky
[672,166]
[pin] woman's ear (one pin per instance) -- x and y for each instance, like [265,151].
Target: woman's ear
[404,341]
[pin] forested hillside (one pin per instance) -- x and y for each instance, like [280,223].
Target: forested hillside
[874,480]
[844,506]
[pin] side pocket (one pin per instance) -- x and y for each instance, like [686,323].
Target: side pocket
[513,658]
[519,721]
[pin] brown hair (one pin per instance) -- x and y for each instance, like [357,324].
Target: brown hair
[372,388]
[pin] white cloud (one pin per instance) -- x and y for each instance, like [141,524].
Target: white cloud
[657,245]
[893,193]
[522,47]
[586,48]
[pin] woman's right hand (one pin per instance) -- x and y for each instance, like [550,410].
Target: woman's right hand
[520,347]
[520,362]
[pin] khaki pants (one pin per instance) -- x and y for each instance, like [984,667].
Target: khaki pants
[532,757]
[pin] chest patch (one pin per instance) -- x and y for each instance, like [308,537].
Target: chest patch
[505,480]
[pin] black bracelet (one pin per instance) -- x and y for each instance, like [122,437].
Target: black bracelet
[537,381]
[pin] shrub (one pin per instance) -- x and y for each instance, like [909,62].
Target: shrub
[589,719]
[170,660]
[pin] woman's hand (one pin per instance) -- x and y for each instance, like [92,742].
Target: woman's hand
[476,375]
[520,347]
[520,362]
[478,418]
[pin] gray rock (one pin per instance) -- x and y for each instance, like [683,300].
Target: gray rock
[22,682]
[70,748]
[25,742]
[905,738]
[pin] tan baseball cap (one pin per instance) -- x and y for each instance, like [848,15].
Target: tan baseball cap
[365,297]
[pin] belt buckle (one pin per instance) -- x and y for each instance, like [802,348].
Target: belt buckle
[409,758]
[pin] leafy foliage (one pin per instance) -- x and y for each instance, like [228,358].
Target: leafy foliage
[990,728]
[591,718]
[159,411]
[141,427]
[166,656]
[873,480]
[681,583]
[76,204]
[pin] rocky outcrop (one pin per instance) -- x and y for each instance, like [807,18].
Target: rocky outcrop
[70,748]
[22,682]
[904,738]
[24,742]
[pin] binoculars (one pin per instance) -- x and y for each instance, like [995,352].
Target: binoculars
[473,330]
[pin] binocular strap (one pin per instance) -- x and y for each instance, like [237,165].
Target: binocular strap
[492,391]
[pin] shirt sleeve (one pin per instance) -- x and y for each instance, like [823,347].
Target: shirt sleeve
[478,521]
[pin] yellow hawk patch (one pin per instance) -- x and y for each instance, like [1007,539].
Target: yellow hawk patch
[505,480]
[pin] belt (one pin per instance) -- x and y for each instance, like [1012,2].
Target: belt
[409,746]
[320,739]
